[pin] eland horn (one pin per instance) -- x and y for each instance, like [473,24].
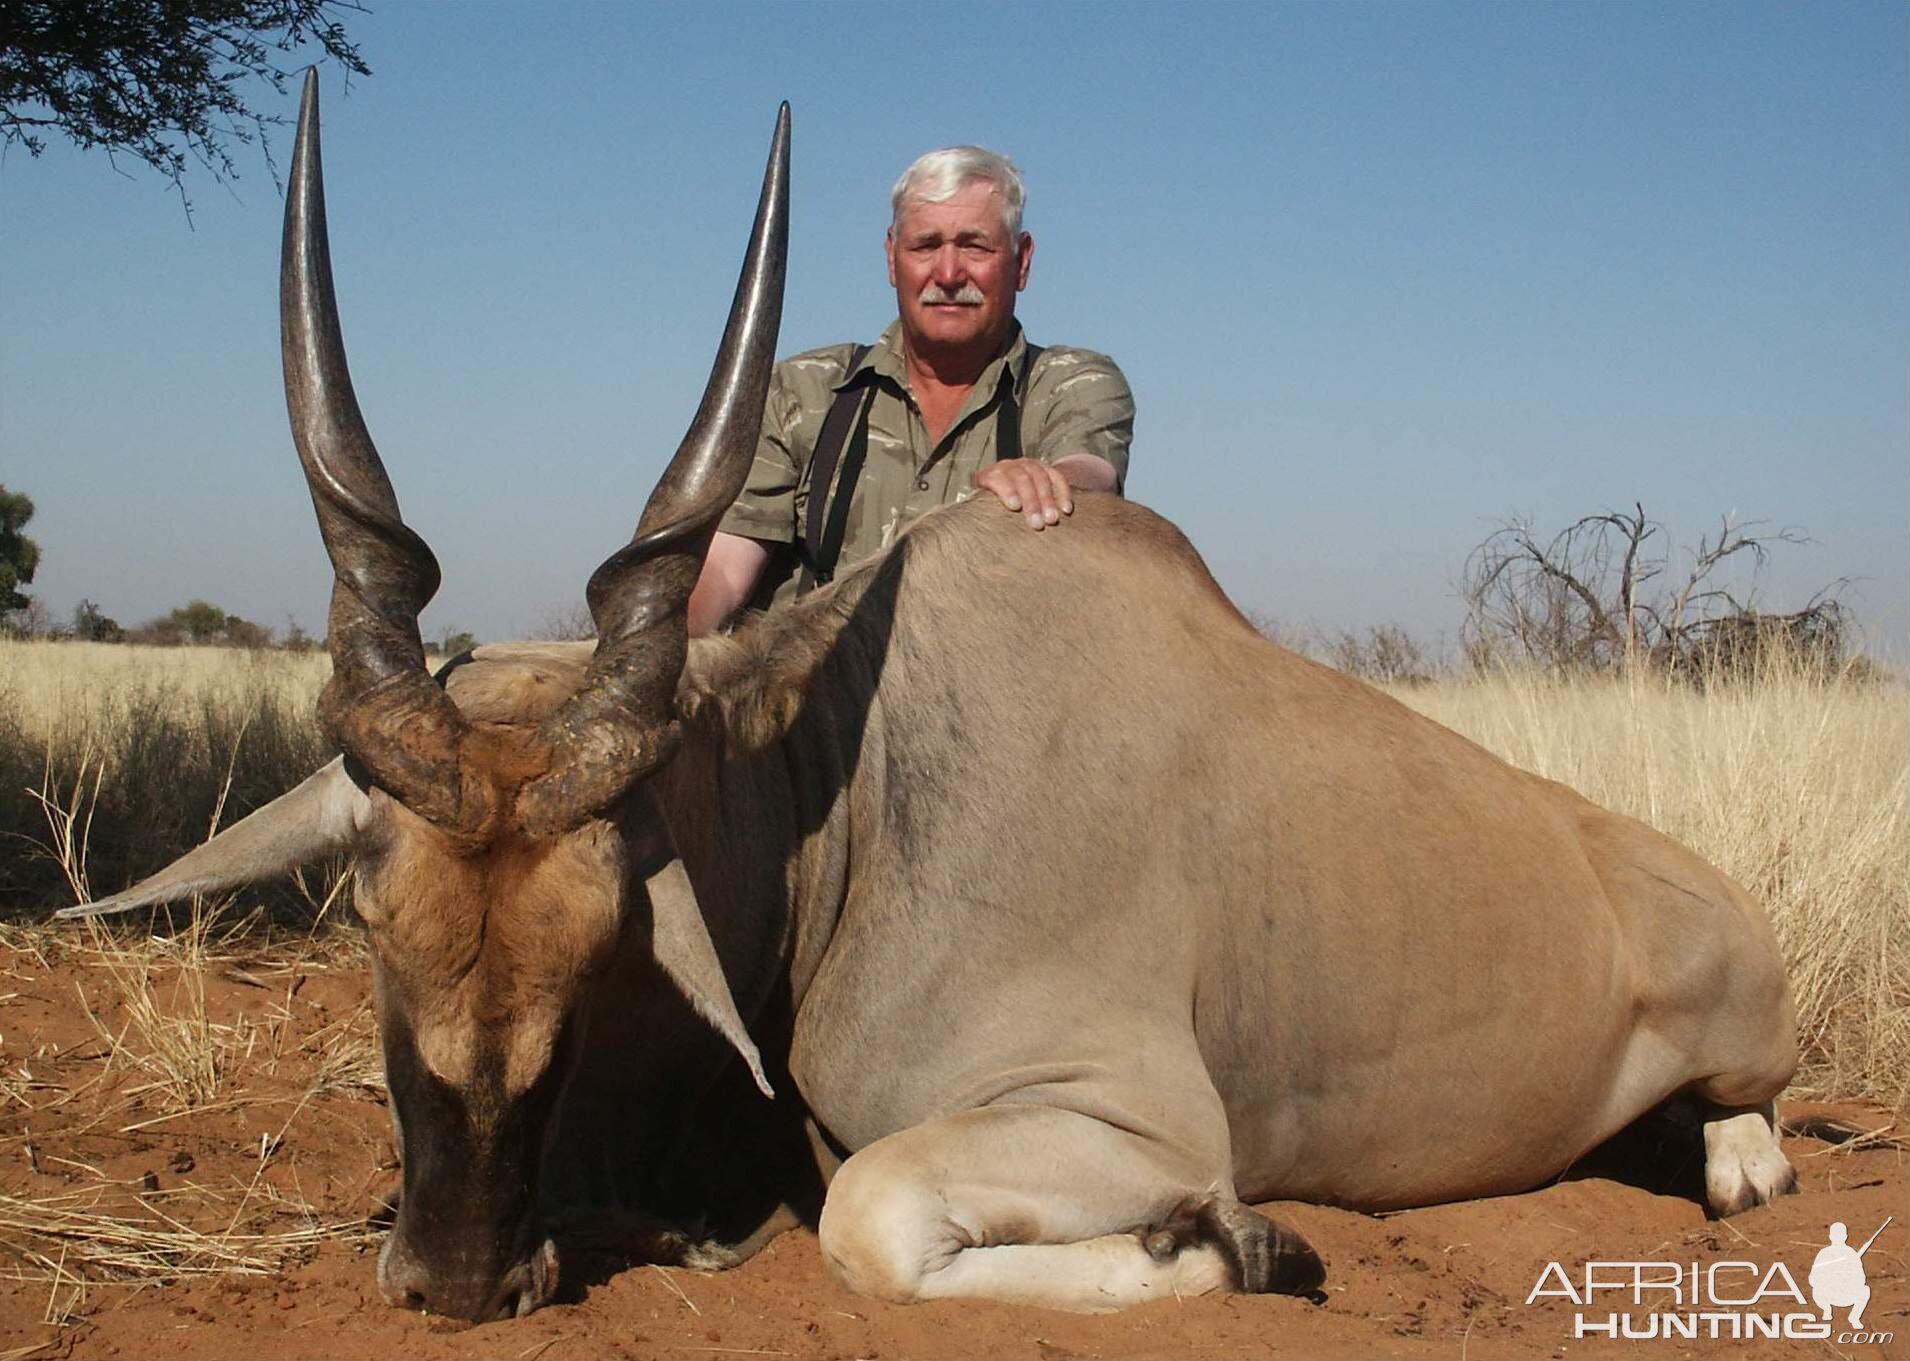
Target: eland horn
[621,723]
[381,705]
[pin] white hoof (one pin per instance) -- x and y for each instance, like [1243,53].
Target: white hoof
[1743,1165]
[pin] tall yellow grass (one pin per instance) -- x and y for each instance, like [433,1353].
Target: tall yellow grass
[61,686]
[115,759]
[1795,785]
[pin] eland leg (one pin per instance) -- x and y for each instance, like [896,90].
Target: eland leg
[1037,1205]
[1712,1015]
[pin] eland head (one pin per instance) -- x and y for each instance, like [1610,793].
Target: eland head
[496,853]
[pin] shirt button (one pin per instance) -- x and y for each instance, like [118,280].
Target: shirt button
[921,484]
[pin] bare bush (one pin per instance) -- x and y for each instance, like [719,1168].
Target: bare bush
[564,624]
[1385,654]
[1603,594]
[31,620]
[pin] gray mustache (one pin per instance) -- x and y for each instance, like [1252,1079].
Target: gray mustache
[966,296]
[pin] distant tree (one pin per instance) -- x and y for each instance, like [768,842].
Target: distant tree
[199,621]
[244,633]
[295,638]
[202,622]
[162,632]
[160,80]
[19,555]
[31,620]
[92,626]
[1608,592]
[456,641]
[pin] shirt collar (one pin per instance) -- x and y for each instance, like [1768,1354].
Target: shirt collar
[885,358]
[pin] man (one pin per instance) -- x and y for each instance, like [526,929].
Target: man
[951,399]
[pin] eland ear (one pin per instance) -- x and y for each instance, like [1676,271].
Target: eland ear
[316,818]
[681,942]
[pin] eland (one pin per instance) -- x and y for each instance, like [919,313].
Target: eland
[1012,888]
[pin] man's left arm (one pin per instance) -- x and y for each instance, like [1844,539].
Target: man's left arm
[1078,425]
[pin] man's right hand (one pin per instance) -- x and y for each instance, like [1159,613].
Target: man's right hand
[1030,486]
[1041,492]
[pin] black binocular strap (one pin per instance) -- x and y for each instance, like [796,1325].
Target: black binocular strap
[822,535]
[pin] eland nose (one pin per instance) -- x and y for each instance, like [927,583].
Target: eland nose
[402,1279]
[406,1283]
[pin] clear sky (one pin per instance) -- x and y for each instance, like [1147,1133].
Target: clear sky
[1379,274]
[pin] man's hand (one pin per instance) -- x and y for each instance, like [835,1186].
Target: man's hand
[1044,492]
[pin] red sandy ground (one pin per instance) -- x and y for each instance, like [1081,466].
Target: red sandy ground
[1447,1281]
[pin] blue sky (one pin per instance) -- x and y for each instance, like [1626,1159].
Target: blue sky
[1380,276]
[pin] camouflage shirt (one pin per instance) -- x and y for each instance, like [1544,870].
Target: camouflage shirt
[1074,401]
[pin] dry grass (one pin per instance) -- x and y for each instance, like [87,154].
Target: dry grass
[77,1243]
[346,1057]
[81,1235]
[238,1084]
[59,687]
[1796,786]
[164,1029]
[114,760]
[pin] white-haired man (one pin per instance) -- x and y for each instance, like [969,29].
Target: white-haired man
[859,440]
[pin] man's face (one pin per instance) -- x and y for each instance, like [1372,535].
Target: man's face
[956,271]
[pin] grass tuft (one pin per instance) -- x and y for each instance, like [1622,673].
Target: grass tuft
[73,1237]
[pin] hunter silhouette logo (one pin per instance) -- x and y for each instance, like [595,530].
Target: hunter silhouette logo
[1837,1276]
[1740,1301]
